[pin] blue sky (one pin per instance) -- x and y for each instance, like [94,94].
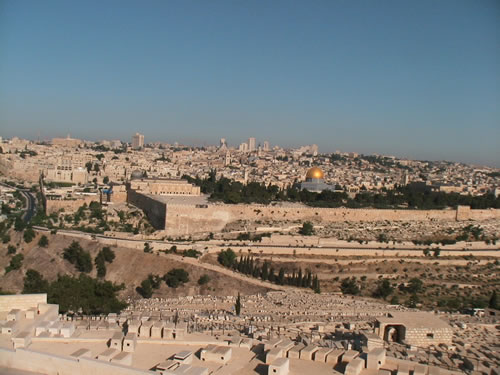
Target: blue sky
[415,79]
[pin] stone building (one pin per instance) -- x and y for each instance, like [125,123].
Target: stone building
[164,187]
[414,328]
[315,181]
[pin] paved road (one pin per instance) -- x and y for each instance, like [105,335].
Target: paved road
[30,208]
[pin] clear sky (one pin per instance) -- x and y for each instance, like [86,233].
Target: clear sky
[417,79]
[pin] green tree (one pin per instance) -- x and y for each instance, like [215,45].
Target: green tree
[227,258]
[316,285]
[204,279]
[176,277]
[349,286]
[15,263]
[395,300]
[493,302]
[146,289]
[265,271]
[28,235]
[307,229]
[78,257]
[88,165]
[384,289]
[105,180]
[100,264]
[281,276]
[413,301]
[415,285]
[437,252]
[91,295]
[147,247]
[19,224]
[43,241]
[237,305]
[34,282]
[11,249]
[108,254]
[6,238]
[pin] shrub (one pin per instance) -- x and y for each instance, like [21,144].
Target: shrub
[78,257]
[175,277]
[15,263]
[34,282]
[227,258]
[145,290]
[307,229]
[28,235]
[204,279]
[43,241]
[192,253]
[11,249]
[349,286]
[147,247]
[108,254]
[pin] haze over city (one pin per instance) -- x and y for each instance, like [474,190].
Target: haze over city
[411,79]
[284,187]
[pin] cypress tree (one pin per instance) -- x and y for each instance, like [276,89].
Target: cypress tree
[281,276]
[265,272]
[237,305]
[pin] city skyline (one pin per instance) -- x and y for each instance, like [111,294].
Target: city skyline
[416,81]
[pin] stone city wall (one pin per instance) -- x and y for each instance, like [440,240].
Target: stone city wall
[187,220]
[19,170]
[21,301]
[70,205]
[154,209]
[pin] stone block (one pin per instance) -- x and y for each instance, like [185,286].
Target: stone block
[122,358]
[321,354]
[273,354]
[107,355]
[354,367]
[280,366]
[375,358]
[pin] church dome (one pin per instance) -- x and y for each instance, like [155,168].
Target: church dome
[315,173]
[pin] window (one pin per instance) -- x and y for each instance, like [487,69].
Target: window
[430,335]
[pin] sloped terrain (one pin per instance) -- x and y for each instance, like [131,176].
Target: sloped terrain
[129,267]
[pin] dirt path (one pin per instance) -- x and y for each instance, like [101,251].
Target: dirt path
[457,262]
[197,263]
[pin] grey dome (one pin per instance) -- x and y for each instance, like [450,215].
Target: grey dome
[137,174]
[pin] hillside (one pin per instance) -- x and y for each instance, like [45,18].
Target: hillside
[129,267]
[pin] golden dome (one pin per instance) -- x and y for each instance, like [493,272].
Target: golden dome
[315,172]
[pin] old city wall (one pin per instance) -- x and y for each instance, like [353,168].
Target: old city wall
[186,220]
[154,209]
[69,205]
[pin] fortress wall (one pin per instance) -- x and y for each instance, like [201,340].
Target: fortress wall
[154,209]
[21,301]
[70,205]
[186,220]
